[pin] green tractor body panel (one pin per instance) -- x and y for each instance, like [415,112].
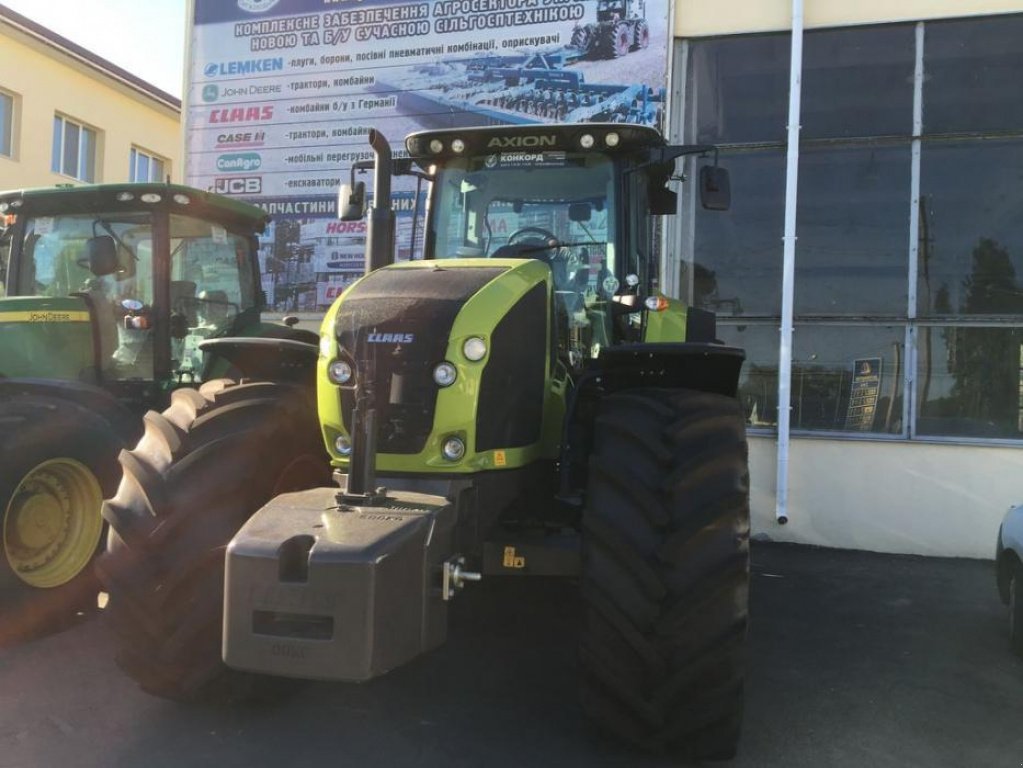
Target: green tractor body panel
[666,325]
[46,338]
[503,423]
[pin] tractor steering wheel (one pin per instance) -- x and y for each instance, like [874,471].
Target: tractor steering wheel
[546,234]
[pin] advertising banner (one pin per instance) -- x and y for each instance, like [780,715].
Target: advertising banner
[282,94]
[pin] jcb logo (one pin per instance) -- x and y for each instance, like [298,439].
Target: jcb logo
[512,559]
[241,185]
[518,142]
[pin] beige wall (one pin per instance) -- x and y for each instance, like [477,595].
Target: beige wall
[44,82]
[697,18]
[923,499]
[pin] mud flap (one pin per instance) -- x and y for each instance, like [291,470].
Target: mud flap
[318,591]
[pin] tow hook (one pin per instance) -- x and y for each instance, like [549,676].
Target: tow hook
[455,577]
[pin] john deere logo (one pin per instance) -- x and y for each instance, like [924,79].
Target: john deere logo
[210,93]
[239,161]
[256,6]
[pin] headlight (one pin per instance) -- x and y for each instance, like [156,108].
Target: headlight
[436,146]
[343,445]
[454,449]
[445,374]
[458,146]
[586,140]
[339,372]
[612,139]
[474,349]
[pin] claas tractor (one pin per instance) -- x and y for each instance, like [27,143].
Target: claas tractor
[616,31]
[111,298]
[522,401]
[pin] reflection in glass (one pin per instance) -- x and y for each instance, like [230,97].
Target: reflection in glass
[6,123]
[738,89]
[738,253]
[971,383]
[971,231]
[973,74]
[858,82]
[844,378]
[851,251]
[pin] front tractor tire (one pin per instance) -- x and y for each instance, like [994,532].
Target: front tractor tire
[665,572]
[201,469]
[57,462]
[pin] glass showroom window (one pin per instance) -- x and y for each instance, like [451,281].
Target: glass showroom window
[145,166]
[6,124]
[74,150]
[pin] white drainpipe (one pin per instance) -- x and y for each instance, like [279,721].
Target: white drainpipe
[789,266]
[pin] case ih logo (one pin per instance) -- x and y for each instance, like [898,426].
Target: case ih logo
[243,67]
[241,115]
[518,142]
[391,338]
[237,140]
[238,185]
[346,227]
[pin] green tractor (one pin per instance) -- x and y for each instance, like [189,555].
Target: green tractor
[111,298]
[534,407]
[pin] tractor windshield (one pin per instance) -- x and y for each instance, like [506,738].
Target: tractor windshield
[557,207]
[551,206]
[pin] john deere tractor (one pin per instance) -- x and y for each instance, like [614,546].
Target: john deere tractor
[108,297]
[533,405]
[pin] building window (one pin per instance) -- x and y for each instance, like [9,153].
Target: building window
[145,166]
[74,150]
[908,306]
[6,124]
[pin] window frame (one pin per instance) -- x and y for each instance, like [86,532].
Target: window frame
[135,155]
[11,129]
[58,155]
[910,319]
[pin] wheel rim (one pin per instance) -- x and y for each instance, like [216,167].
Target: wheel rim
[52,524]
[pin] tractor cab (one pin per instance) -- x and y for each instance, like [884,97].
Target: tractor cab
[117,285]
[576,197]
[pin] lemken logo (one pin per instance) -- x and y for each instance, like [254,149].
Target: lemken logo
[517,142]
[391,338]
[245,67]
[240,161]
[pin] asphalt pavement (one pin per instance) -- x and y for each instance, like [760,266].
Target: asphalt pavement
[856,660]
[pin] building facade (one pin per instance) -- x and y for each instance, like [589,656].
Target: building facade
[906,406]
[68,116]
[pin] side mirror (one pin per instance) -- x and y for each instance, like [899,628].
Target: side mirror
[351,201]
[715,188]
[101,254]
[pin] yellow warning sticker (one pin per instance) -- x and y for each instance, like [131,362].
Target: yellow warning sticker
[500,459]
[44,316]
[513,559]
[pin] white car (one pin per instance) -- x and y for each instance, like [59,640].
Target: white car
[1009,570]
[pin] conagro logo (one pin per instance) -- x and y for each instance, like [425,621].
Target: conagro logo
[239,162]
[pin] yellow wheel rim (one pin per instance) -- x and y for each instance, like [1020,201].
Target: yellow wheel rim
[52,524]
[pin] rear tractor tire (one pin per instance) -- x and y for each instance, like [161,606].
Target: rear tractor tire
[201,469]
[665,571]
[57,462]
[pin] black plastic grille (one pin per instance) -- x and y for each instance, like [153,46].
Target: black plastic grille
[510,412]
[400,320]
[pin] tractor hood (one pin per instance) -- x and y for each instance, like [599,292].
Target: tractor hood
[400,322]
[47,338]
